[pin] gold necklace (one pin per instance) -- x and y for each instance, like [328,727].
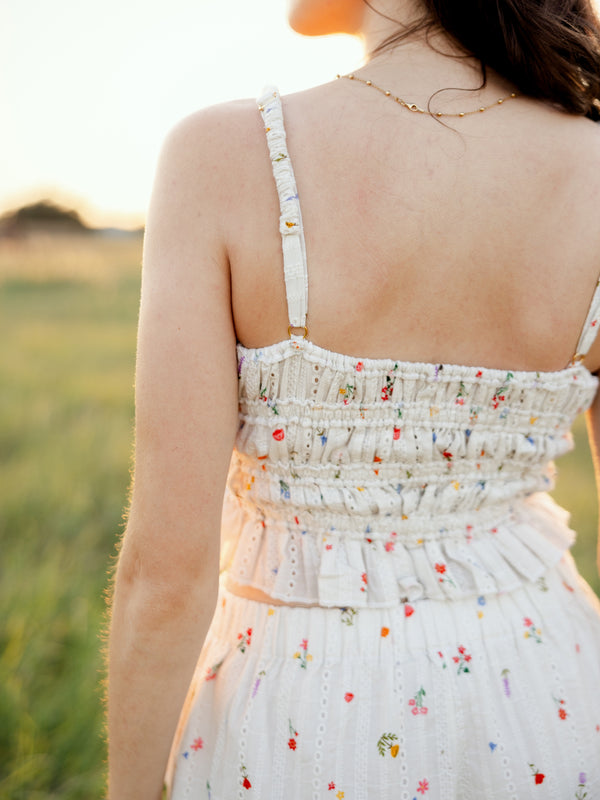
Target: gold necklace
[416,108]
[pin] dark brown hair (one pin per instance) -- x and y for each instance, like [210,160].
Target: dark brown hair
[549,49]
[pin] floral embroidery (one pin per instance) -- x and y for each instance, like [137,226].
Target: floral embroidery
[441,569]
[303,655]
[271,403]
[408,610]
[211,672]
[279,434]
[389,545]
[500,393]
[386,742]
[462,393]
[492,746]
[364,579]
[388,390]
[347,392]
[384,632]
[538,776]
[581,794]
[261,674]
[532,632]
[244,640]
[284,489]
[292,744]
[348,615]
[246,782]
[417,702]
[462,659]
[423,786]
[562,713]
[331,786]
[505,673]
[197,744]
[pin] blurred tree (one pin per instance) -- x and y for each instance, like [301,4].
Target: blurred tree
[44,216]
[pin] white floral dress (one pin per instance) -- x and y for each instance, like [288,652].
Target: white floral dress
[454,650]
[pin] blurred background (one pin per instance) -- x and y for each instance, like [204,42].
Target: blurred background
[88,92]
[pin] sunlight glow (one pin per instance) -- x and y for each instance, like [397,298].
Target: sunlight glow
[93,89]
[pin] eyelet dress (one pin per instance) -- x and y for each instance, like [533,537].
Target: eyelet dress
[453,650]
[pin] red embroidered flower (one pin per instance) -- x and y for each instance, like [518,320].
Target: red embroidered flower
[408,610]
[331,786]
[538,776]
[292,744]
[348,697]
[441,568]
[397,433]
[304,644]
[527,622]
[247,784]
[359,367]
[461,649]
[198,744]
[562,713]
[447,455]
[278,434]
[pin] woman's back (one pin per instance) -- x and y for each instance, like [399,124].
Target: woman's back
[388,477]
[476,244]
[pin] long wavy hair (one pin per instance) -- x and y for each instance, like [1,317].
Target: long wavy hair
[549,49]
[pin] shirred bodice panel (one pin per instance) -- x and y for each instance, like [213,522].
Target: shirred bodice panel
[365,482]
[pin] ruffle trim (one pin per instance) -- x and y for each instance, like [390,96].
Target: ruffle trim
[329,569]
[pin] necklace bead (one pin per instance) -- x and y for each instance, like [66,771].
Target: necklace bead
[415,108]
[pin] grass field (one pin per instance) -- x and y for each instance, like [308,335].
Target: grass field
[67,325]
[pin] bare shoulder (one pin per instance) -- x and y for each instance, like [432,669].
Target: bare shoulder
[201,161]
[213,137]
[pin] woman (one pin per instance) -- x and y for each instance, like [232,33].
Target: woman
[399,615]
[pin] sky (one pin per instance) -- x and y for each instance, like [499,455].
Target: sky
[88,90]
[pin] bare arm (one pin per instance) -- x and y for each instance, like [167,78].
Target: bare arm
[593,426]
[186,418]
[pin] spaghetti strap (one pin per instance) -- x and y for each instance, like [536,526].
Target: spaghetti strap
[590,326]
[290,221]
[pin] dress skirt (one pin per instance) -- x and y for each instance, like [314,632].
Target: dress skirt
[494,697]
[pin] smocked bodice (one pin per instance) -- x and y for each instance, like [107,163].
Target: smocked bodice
[365,482]
[362,482]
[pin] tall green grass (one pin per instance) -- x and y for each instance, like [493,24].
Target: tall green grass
[67,326]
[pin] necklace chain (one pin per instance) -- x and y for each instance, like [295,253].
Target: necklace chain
[415,108]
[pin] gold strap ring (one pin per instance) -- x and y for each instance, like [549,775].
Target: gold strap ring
[298,327]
